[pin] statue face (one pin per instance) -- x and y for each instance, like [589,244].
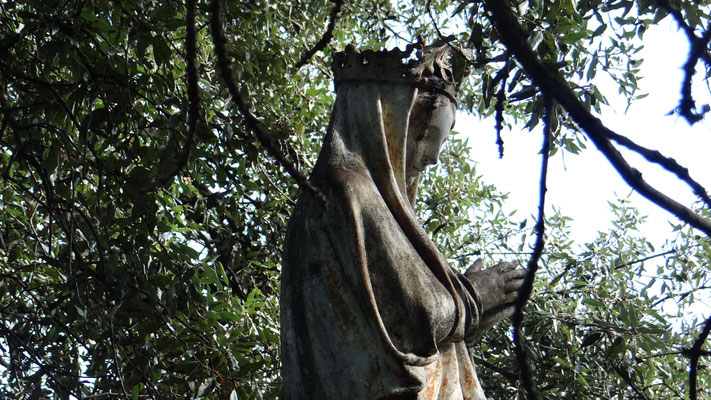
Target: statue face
[427,133]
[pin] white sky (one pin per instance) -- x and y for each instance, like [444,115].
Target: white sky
[581,185]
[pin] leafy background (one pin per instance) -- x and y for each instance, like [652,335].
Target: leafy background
[112,287]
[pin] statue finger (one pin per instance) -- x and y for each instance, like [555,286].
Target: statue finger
[513,285]
[473,269]
[515,274]
[476,266]
[511,297]
[505,266]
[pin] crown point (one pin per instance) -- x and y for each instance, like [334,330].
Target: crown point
[430,70]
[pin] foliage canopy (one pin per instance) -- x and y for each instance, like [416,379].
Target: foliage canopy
[141,258]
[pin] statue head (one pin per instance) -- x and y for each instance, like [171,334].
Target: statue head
[428,115]
[394,109]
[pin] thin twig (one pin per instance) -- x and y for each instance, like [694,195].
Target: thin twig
[673,390]
[327,36]
[510,376]
[681,296]
[448,41]
[103,395]
[553,84]
[641,260]
[117,363]
[628,380]
[499,106]
[223,63]
[527,288]
[668,163]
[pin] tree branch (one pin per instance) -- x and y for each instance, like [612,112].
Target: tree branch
[697,51]
[552,84]
[628,380]
[38,360]
[694,353]
[223,63]
[681,296]
[687,106]
[510,376]
[503,74]
[689,31]
[641,260]
[327,36]
[525,292]
[667,163]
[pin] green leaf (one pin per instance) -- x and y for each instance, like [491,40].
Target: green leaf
[600,30]
[210,276]
[618,346]
[161,51]
[591,339]
[574,37]
[561,362]
[230,316]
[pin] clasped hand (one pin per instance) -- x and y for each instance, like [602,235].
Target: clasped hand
[497,288]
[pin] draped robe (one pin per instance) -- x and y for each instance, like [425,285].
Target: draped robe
[369,308]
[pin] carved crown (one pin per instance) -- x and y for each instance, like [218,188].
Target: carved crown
[430,70]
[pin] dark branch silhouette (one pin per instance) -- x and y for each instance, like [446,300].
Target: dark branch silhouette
[694,353]
[43,367]
[502,75]
[641,260]
[667,163]
[551,83]
[223,63]
[525,292]
[689,31]
[698,50]
[687,106]
[327,36]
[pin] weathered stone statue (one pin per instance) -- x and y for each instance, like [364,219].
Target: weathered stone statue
[369,307]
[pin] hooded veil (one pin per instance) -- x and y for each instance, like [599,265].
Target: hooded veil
[369,308]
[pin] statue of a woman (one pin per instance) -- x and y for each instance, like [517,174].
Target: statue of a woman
[369,307]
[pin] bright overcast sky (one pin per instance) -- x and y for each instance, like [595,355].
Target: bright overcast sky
[581,185]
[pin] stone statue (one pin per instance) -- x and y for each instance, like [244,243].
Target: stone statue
[369,307]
